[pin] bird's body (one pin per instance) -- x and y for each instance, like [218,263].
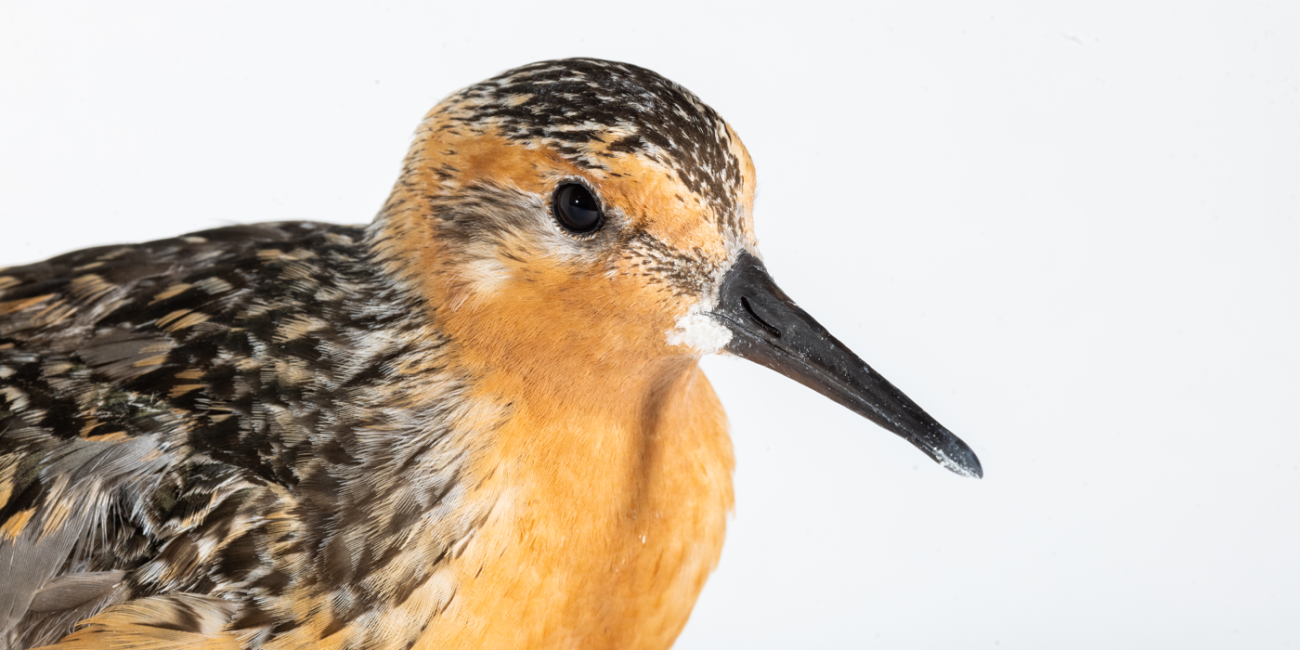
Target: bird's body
[463,426]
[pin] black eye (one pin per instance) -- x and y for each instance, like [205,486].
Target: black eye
[576,209]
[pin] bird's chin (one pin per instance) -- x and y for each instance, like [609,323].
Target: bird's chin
[700,332]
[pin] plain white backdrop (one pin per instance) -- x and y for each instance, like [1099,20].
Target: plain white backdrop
[1070,232]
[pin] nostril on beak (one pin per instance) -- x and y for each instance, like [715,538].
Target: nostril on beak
[749,309]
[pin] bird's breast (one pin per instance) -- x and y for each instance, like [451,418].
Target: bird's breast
[604,522]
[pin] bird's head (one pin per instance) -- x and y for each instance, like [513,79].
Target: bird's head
[593,220]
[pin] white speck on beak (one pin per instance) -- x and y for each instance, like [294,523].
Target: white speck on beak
[953,466]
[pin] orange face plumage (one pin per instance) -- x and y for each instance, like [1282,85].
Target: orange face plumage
[476,213]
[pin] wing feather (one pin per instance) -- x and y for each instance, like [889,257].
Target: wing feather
[220,424]
[173,622]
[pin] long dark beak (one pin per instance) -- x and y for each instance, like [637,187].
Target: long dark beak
[769,329]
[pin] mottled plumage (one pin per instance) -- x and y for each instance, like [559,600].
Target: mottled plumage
[458,427]
[183,416]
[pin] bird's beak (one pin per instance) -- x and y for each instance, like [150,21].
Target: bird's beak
[769,329]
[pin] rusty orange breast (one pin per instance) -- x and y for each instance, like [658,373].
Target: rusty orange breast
[606,522]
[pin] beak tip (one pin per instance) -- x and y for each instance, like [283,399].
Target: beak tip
[963,462]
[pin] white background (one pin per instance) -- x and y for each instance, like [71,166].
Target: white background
[1069,232]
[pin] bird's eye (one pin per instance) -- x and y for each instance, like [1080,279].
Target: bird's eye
[576,209]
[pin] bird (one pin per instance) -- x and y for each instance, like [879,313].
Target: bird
[478,421]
